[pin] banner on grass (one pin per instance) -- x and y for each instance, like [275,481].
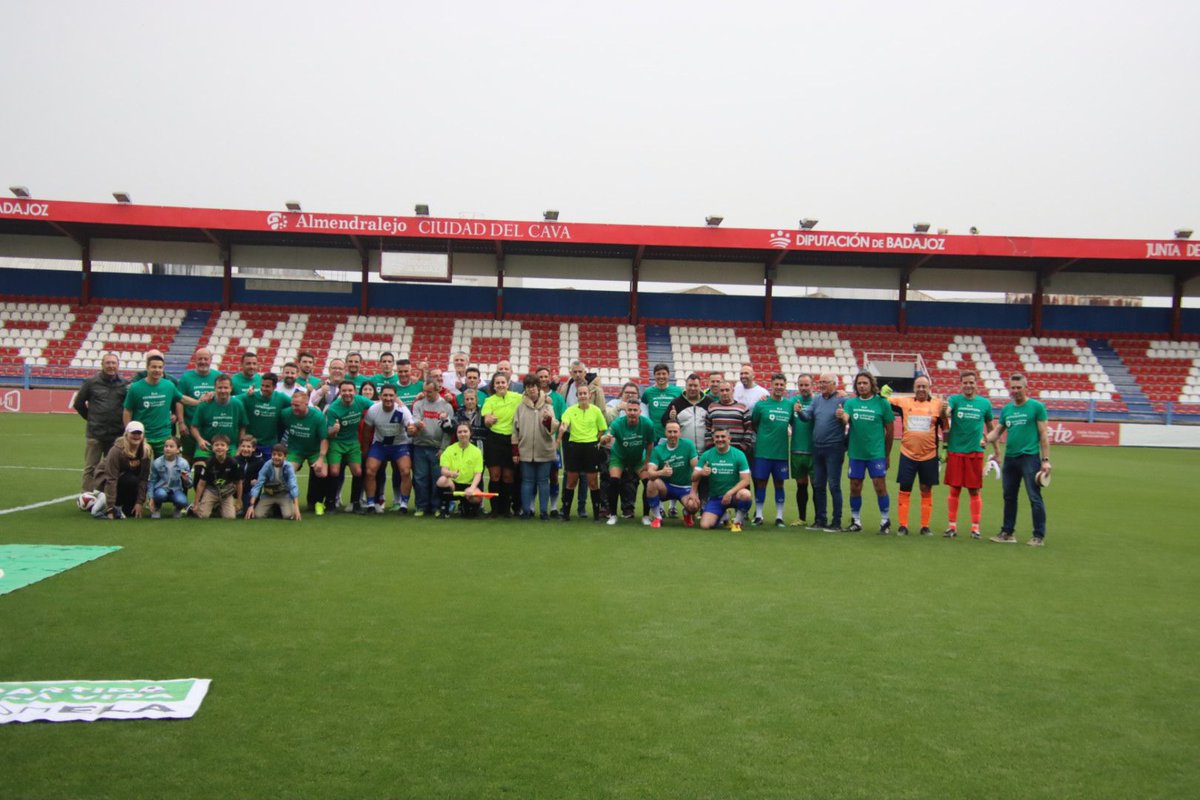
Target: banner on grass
[88,701]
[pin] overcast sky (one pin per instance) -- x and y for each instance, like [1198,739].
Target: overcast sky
[1034,118]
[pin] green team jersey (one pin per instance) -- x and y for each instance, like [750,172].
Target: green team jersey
[585,426]
[382,380]
[680,460]
[868,419]
[213,418]
[409,394]
[194,385]
[304,434]
[968,420]
[141,374]
[504,408]
[771,419]
[152,405]
[348,416]
[263,415]
[801,428]
[727,469]
[559,402]
[358,380]
[1020,423]
[657,400]
[480,395]
[310,382]
[242,384]
[630,441]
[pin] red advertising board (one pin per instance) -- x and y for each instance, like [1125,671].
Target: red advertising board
[1096,434]
[37,401]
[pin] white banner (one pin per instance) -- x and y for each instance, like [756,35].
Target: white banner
[88,701]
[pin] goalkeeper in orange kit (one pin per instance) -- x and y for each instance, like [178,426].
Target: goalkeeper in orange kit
[922,416]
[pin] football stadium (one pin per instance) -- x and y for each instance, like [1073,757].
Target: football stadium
[543,622]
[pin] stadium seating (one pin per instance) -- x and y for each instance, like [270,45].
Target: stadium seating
[61,342]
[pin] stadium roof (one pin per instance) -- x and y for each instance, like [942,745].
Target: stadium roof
[82,222]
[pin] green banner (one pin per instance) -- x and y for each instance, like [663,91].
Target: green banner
[23,564]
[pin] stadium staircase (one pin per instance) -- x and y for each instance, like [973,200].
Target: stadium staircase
[1138,405]
[185,342]
[658,349]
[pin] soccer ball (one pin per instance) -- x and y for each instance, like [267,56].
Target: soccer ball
[86,500]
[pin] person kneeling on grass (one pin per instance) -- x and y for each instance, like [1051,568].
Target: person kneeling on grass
[275,488]
[124,474]
[462,471]
[728,474]
[169,480]
[220,482]
[250,463]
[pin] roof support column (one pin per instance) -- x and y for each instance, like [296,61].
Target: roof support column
[902,304]
[1177,306]
[1035,308]
[499,280]
[364,294]
[770,275]
[226,277]
[634,274]
[85,282]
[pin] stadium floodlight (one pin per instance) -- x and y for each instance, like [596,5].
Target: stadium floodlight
[421,209]
[1183,233]
[808,223]
[19,191]
[123,198]
[293,205]
[974,231]
[943,231]
[713,221]
[550,215]
[920,227]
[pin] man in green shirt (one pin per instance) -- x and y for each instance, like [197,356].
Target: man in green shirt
[407,389]
[802,460]
[198,384]
[871,419]
[728,474]
[247,379]
[1026,459]
[151,401]
[307,440]
[354,370]
[387,373]
[657,399]
[670,473]
[343,416]
[969,418]
[631,437]
[264,411]
[306,361]
[770,418]
[473,382]
[222,414]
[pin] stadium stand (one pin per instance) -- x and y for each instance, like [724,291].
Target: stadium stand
[59,343]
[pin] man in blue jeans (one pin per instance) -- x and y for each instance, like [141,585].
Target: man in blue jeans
[1026,457]
[828,452]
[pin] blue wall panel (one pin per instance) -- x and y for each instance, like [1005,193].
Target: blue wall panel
[55,283]
[180,289]
[573,302]
[968,315]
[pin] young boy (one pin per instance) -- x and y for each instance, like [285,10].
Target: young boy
[169,480]
[220,482]
[250,462]
[275,487]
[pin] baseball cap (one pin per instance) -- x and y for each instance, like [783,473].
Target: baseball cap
[135,427]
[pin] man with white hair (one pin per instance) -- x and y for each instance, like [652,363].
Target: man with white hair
[100,401]
[828,452]
[198,383]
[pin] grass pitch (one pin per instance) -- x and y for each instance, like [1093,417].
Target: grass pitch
[396,657]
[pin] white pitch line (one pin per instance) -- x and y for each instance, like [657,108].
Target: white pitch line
[32,506]
[44,469]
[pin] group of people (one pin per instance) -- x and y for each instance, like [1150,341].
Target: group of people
[453,442]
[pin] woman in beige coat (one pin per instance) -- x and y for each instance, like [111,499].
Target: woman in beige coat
[534,429]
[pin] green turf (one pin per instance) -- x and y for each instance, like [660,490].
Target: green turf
[394,657]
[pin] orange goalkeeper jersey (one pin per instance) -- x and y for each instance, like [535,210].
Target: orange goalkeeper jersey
[919,441]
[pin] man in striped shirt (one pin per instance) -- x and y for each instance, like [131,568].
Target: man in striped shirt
[728,415]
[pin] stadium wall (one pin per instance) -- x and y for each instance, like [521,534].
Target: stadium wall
[109,286]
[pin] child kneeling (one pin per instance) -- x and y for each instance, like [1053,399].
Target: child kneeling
[276,487]
[219,482]
[169,480]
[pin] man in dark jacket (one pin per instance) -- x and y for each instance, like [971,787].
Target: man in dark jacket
[100,401]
